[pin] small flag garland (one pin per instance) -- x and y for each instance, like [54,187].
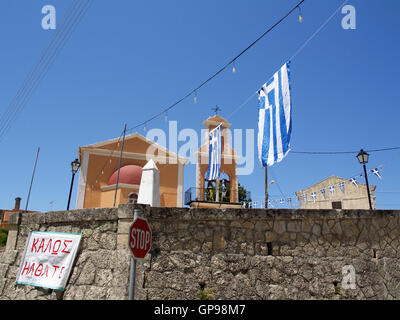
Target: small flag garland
[303,197]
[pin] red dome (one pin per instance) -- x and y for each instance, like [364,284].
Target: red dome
[129,174]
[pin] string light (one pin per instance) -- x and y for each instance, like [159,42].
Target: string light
[166,116]
[144,128]
[300,15]
[234,67]
[227,65]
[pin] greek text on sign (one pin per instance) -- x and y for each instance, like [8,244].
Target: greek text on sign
[139,238]
[48,258]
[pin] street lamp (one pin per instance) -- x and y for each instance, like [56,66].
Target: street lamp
[363,159]
[75,166]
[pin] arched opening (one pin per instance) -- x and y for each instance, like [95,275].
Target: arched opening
[132,197]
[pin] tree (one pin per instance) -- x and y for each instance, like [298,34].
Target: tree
[243,194]
[3,236]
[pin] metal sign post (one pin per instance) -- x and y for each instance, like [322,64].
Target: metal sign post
[139,241]
[132,275]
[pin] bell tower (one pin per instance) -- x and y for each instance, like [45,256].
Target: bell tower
[228,164]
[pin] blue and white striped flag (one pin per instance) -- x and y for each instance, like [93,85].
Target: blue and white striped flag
[214,154]
[274,118]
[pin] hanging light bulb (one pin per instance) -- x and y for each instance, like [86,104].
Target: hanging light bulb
[166,116]
[144,128]
[234,67]
[300,15]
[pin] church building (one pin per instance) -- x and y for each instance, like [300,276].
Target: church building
[99,172]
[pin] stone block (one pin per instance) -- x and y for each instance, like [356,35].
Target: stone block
[270,236]
[280,226]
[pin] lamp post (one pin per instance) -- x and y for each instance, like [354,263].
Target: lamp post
[75,166]
[363,159]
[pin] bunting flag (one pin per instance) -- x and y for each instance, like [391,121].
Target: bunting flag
[354,181]
[341,186]
[274,118]
[214,154]
[376,172]
[314,196]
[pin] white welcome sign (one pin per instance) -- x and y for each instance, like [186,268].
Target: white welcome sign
[48,258]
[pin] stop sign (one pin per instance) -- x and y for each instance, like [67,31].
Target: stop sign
[139,238]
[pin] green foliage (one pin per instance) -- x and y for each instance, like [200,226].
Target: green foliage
[205,293]
[3,236]
[243,194]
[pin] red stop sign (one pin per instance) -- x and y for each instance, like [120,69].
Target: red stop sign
[139,238]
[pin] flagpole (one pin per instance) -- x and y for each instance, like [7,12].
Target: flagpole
[33,175]
[266,187]
[217,190]
[119,166]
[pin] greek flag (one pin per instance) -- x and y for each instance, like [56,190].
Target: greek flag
[214,154]
[354,181]
[313,195]
[376,172]
[274,118]
[341,186]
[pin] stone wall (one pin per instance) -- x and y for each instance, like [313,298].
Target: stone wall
[234,253]
[101,268]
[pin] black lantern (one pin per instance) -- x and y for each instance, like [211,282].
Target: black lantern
[363,159]
[74,166]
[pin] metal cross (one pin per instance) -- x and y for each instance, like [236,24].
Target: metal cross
[216,109]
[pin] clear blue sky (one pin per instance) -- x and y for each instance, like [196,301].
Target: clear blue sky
[128,60]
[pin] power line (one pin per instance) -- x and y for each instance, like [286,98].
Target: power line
[296,52]
[342,152]
[42,64]
[109,157]
[33,69]
[194,91]
[36,76]
[317,31]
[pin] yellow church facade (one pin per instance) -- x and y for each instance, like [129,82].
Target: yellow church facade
[99,171]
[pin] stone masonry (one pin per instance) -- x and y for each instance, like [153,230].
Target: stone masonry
[235,253]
